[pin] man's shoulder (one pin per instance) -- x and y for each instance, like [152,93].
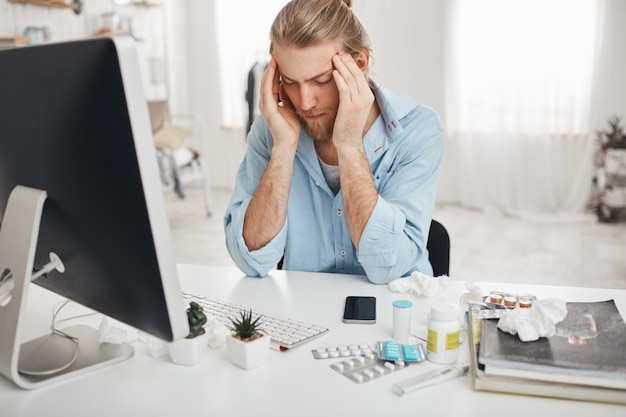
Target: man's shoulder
[404,106]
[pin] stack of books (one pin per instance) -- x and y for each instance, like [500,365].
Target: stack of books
[584,360]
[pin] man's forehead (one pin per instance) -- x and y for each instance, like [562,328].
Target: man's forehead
[304,64]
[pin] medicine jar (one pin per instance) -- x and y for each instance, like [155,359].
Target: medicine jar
[443,333]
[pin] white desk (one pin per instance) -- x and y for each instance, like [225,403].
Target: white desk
[292,382]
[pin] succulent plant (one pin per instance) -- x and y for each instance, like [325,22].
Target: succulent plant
[197,319]
[245,328]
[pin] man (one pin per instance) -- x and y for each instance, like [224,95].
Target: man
[340,175]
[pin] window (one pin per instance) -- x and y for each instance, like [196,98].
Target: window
[521,66]
[243,39]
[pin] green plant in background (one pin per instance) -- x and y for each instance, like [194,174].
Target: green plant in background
[245,328]
[609,199]
[614,137]
[197,319]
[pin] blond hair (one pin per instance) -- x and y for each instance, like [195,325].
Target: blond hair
[303,23]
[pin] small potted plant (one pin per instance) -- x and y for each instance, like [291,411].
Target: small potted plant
[190,350]
[248,347]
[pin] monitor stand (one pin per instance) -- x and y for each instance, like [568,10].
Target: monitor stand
[35,363]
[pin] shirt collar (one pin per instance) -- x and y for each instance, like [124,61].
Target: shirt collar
[393,107]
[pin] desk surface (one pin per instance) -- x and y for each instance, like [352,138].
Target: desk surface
[292,382]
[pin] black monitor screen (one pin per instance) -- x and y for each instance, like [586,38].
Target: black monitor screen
[74,122]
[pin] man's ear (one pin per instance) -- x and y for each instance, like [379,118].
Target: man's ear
[362,61]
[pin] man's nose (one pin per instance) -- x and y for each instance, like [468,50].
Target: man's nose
[307,97]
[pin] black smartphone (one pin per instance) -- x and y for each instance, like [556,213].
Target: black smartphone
[360,309]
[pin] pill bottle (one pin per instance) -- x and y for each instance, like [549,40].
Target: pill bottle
[443,334]
[402,320]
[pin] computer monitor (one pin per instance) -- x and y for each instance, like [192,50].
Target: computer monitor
[74,127]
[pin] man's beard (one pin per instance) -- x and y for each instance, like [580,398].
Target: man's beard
[319,131]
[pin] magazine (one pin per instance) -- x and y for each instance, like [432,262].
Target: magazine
[528,384]
[589,347]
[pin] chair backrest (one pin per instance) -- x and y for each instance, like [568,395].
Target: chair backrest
[438,246]
[158,110]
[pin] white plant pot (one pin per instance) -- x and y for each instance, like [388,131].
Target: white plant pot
[615,197]
[189,352]
[615,161]
[248,355]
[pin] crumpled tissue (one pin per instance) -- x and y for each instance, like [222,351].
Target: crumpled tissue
[420,284]
[113,331]
[540,320]
[116,332]
[217,332]
[474,293]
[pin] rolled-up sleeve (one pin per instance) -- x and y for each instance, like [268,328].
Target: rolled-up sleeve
[255,263]
[393,243]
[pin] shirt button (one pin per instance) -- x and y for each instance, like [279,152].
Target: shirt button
[343,252]
[339,213]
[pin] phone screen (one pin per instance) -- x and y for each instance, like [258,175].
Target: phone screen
[360,309]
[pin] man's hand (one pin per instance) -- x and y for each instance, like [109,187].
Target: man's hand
[355,101]
[281,119]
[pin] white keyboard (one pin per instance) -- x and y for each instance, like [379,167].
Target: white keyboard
[285,333]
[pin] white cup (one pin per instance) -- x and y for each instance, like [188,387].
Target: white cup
[402,320]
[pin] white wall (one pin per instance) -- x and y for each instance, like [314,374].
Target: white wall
[227,145]
[407,35]
[64,24]
[610,92]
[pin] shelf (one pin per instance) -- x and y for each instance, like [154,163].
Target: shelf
[75,5]
[13,41]
[146,4]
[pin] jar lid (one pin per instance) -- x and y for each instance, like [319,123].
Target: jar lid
[444,312]
[402,304]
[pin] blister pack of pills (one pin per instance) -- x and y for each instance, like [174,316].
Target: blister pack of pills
[361,369]
[342,351]
[507,300]
[390,350]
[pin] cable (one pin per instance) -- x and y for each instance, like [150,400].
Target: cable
[60,333]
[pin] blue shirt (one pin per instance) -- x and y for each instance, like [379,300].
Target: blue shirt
[404,147]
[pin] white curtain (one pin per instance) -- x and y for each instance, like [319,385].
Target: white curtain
[518,101]
[243,37]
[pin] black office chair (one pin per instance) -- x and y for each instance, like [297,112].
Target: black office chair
[438,246]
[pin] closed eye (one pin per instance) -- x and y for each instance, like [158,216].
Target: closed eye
[324,81]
